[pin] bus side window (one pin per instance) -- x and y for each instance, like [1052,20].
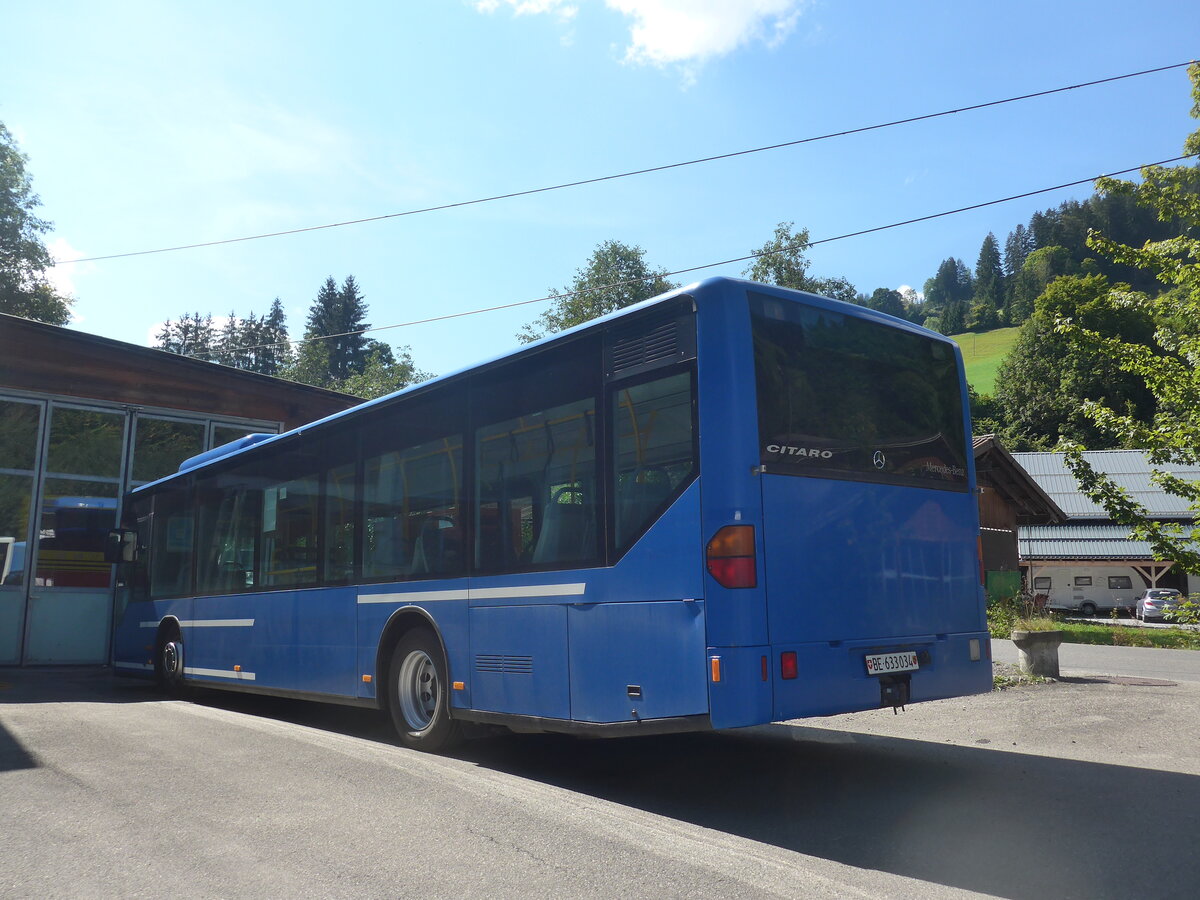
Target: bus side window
[338,567]
[289,532]
[538,502]
[229,511]
[653,451]
[411,503]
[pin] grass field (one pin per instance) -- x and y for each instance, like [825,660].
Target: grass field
[1121,636]
[982,355]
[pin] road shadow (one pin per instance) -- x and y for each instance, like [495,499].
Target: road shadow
[13,755]
[1002,823]
[73,684]
[61,684]
[984,819]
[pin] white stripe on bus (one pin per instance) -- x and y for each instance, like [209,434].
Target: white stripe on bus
[412,597]
[219,673]
[496,593]
[529,590]
[207,623]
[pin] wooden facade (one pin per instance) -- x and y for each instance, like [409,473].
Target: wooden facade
[1008,497]
[61,362]
[84,419]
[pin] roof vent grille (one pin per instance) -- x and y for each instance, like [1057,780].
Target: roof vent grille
[659,344]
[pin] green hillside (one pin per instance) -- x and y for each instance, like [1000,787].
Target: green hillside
[983,353]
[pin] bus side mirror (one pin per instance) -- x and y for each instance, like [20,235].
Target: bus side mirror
[120,546]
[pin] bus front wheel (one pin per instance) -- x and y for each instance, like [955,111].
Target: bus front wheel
[418,697]
[169,664]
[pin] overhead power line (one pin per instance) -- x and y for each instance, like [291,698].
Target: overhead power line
[646,171]
[796,245]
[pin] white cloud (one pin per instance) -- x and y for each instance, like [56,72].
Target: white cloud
[693,31]
[563,10]
[680,32]
[62,276]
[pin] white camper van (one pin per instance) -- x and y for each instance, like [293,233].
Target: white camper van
[1088,590]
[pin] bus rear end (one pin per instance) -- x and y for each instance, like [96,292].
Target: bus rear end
[865,543]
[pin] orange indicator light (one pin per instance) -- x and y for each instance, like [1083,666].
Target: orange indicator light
[715,661]
[460,685]
[237,668]
[366,679]
[730,557]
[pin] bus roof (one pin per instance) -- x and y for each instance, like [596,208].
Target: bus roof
[712,284]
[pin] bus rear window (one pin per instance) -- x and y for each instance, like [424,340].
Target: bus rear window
[843,397]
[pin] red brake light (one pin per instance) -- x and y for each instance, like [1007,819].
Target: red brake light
[788,667]
[730,557]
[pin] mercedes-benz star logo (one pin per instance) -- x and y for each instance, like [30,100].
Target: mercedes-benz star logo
[879,459]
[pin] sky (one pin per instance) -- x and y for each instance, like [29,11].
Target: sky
[151,125]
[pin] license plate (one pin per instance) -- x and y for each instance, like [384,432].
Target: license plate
[886,663]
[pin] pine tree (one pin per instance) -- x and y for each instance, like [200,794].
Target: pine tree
[989,287]
[951,284]
[229,345]
[191,335]
[338,312]
[354,350]
[271,339]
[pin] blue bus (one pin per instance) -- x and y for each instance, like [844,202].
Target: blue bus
[730,505]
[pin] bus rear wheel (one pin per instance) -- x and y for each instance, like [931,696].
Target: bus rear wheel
[417,695]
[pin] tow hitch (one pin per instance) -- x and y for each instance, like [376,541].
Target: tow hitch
[893,691]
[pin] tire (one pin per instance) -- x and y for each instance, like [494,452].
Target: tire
[418,695]
[1087,609]
[168,661]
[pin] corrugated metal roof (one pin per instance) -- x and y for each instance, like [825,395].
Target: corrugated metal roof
[1127,468]
[1073,541]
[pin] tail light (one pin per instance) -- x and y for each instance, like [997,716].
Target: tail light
[789,666]
[982,572]
[730,557]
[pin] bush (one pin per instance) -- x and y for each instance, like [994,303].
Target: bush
[1186,613]
[1019,612]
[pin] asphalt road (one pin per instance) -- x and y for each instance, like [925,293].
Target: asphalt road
[1086,788]
[1134,662]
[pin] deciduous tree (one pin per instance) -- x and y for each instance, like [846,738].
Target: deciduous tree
[615,276]
[888,301]
[1046,381]
[24,259]
[783,261]
[1168,369]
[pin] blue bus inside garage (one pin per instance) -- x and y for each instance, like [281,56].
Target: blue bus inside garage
[731,505]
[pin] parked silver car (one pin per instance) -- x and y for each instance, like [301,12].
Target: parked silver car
[1155,601]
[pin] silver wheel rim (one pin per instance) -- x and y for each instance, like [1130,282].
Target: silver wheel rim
[170,659]
[417,689]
